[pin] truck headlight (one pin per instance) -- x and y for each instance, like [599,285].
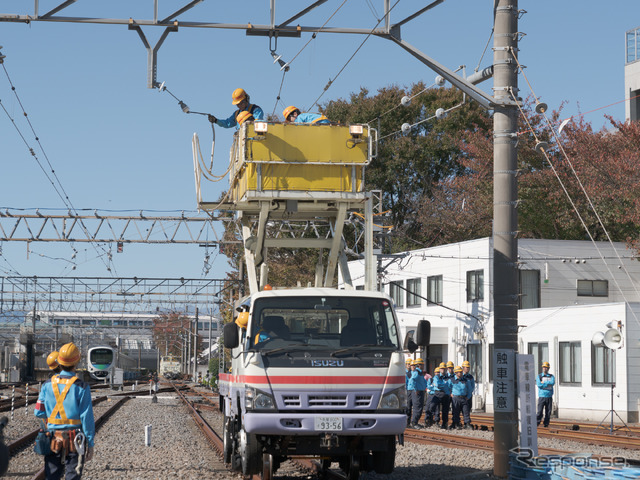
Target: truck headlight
[258,400]
[394,400]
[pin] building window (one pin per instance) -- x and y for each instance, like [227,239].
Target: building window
[434,290]
[540,352]
[593,288]
[603,365]
[570,363]
[475,285]
[474,355]
[359,287]
[529,289]
[397,293]
[414,291]
[633,41]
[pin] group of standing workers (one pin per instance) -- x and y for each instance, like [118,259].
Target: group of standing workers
[450,387]
[246,111]
[65,403]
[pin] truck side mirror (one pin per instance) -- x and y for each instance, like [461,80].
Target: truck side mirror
[409,344]
[231,337]
[423,333]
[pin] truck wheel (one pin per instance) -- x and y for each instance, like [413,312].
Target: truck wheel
[250,453]
[383,462]
[227,441]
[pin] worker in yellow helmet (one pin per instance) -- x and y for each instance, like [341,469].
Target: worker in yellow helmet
[52,362]
[65,401]
[292,114]
[240,99]
[244,117]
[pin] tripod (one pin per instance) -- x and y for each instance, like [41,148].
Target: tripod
[612,412]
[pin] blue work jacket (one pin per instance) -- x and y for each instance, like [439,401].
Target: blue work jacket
[545,387]
[77,406]
[313,118]
[230,122]
[417,381]
[442,384]
[460,387]
[472,383]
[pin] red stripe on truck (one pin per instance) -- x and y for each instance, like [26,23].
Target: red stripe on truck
[311,380]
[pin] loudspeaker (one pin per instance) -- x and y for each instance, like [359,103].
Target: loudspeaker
[597,339]
[612,339]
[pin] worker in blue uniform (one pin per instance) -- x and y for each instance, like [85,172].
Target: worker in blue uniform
[417,385]
[240,99]
[459,392]
[429,414]
[466,407]
[410,405]
[545,382]
[293,115]
[65,402]
[441,397]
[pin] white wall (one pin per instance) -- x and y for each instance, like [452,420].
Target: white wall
[564,315]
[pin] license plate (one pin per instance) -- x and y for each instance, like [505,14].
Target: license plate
[328,423]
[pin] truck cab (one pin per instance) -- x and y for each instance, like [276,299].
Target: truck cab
[314,371]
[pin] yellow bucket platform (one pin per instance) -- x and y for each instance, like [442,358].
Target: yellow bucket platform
[298,161]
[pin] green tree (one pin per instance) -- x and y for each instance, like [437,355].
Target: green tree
[409,165]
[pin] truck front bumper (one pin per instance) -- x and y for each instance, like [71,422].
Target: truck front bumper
[285,423]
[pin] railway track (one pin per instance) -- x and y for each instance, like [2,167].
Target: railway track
[578,432]
[305,465]
[99,422]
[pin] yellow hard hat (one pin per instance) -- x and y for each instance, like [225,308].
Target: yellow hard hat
[288,111]
[243,319]
[449,364]
[69,355]
[466,364]
[457,369]
[408,361]
[243,117]
[52,360]
[546,364]
[437,370]
[442,365]
[419,361]
[238,95]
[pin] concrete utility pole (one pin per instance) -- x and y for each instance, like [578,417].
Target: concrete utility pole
[505,225]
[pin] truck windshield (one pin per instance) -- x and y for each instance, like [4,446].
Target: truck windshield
[325,322]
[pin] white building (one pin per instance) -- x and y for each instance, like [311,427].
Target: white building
[569,290]
[632,74]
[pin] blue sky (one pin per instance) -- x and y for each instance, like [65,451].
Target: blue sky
[118,146]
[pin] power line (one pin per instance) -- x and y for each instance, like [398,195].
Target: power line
[328,85]
[63,196]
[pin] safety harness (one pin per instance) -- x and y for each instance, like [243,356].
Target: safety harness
[60,396]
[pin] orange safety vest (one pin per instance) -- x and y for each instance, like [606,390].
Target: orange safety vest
[60,396]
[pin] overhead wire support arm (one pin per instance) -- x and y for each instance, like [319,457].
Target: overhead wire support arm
[152,53]
[181,11]
[301,13]
[52,12]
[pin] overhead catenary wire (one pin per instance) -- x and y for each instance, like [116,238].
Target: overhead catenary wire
[575,208]
[328,85]
[314,34]
[63,196]
[436,115]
